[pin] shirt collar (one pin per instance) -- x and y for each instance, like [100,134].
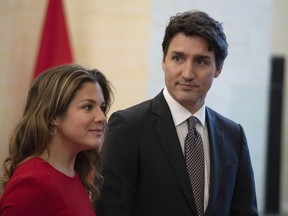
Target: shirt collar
[180,113]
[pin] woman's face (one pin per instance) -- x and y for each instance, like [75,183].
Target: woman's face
[81,127]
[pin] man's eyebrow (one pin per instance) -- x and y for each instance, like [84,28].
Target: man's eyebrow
[177,52]
[197,56]
[203,56]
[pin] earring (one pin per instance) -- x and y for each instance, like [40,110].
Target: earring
[53,128]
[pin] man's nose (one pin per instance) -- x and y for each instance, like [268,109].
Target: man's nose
[188,72]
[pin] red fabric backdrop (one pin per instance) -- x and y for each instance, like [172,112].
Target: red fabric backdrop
[54,47]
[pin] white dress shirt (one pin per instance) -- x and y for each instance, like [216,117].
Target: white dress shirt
[180,114]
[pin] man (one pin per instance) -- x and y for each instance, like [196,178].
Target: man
[147,158]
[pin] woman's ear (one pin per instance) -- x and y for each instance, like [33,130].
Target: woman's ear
[53,122]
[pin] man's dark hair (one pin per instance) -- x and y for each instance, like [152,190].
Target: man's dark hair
[198,23]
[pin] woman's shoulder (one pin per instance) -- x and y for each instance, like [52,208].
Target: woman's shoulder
[30,172]
[31,167]
[27,185]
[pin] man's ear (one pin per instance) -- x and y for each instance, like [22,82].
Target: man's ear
[163,62]
[218,71]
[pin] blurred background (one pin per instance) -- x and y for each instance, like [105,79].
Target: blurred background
[123,39]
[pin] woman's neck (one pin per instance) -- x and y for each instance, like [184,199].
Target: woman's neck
[60,160]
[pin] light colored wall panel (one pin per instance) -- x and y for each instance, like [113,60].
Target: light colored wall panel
[19,32]
[113,36]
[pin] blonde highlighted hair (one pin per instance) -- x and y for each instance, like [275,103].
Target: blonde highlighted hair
[49,96]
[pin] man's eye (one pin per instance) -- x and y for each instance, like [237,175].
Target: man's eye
[177,58]
[203,62]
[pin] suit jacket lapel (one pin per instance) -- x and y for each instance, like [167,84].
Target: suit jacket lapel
[163,125]
[216,154]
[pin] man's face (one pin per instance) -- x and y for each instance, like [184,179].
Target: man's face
[189,69]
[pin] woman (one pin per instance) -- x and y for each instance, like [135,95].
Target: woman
[53,155]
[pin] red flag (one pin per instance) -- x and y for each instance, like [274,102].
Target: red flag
[54,48]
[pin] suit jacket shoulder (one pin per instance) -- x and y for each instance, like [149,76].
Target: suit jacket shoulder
[217,117]
[147,110]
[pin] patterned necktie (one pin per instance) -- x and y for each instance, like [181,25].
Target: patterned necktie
[194,154]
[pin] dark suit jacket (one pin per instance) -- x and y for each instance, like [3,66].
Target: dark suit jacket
[145,172]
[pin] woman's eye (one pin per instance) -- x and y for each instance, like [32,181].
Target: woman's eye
[88,107]
[103,108]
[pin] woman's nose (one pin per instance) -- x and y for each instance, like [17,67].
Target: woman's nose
[100,115]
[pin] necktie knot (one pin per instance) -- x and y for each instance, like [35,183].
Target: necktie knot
[192,121]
